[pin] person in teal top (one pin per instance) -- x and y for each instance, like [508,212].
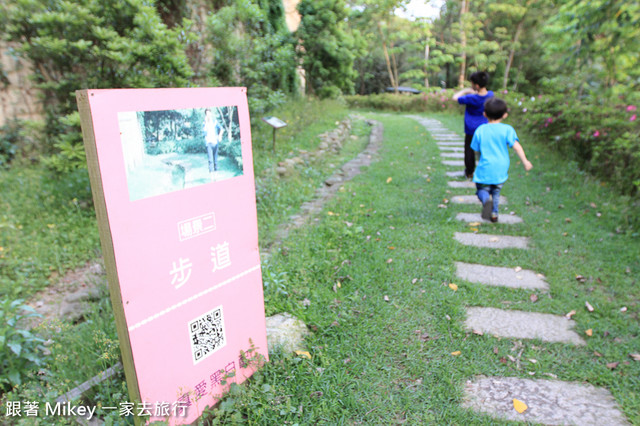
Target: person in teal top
[492,141]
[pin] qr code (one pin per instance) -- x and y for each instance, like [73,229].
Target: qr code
[207,334]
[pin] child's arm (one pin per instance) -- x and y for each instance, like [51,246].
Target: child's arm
[520,151]
[463,92]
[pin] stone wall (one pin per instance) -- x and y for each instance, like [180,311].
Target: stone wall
[18,97]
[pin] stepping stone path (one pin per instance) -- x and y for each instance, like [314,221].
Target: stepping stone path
[463,184]
[491,241]
[452,154]
[550,402]
[522,325]
[472,199]
[500,276]
[475,217]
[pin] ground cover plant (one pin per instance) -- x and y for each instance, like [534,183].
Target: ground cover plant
[371,279]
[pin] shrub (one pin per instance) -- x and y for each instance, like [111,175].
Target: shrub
[429,102]
[20,350]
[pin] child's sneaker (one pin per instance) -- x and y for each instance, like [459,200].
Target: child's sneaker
[494,217]
[486,209]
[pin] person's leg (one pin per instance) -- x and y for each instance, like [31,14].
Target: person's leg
[210,157]
[469,157]
[495,194]
[215,157]
[485,198]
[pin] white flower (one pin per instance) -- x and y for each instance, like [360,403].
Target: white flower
[533,98]
[519,103]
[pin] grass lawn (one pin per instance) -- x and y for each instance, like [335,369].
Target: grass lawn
[376,270]
[371,280]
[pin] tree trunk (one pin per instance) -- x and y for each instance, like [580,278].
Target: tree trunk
[464,9]
[426,64]
[512,53]
[394,83]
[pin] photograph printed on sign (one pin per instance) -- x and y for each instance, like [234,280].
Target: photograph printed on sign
[166,151]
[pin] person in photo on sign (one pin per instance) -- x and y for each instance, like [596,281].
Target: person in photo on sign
[212,135]
[474,99]
[492,141]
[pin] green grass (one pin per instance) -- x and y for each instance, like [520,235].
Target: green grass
[382,340]
[383,361]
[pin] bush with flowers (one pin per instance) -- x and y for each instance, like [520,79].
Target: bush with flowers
[603,136]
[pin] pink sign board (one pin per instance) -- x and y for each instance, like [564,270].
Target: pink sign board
[172,178]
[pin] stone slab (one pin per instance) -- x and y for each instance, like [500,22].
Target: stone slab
[457,173]
[456,163]
[461,184]
[500,276]
[451,143]
[451,148]
[549,402]
[522,325]
[285,332]
[473,199]
[508,219]
[491,241]
[452,154]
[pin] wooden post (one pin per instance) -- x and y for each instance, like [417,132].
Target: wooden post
[108,252]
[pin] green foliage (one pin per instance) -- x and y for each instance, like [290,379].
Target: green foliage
[20,349]
[92,44]
[430,102]
[601,134]
[47,226]
[328,48]
[253,48]
[599,37]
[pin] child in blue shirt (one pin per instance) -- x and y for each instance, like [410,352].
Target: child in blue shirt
[474,99]
[493,141]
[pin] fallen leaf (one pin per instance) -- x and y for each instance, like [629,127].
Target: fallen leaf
[623,309]
[568,220]
[389,179]
[478,332]
[349,224]
[335,324]
[330,213]
[580,278]
[453,287]
[389,260]
[316,394]
[386,298]
[493,240]
[589,332]
[612,365]
[503,360]
[456,353]
[346,360]
[532,360]
[596,353]
[447,317]
[520,406]
[495,350]
[391,248]
[474,224]
[570,314]
[533,298]
[517,269]
[636,357]
[413,281]
[473,229]
[593,205]
[306,302]
[589,307]
[304,354]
